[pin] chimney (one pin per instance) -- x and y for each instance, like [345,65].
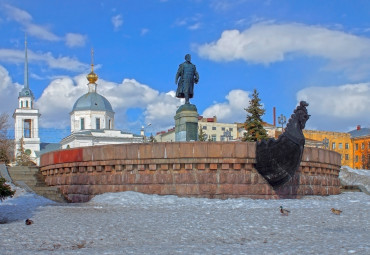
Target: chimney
[274,113]
[358,127]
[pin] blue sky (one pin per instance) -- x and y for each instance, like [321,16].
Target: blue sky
[318,51]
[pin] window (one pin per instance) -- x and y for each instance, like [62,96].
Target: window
[204,127]
[223,129]
[97,120]
[346,146]
[222,138]
[21,104]
[213,128]
[82,122]
[363,146]
[26,104]
[356,146]
[213,138]
[333,145]
[230,129]
[340,146]
[27,128]
[346,157]
[356,159]
[109,124]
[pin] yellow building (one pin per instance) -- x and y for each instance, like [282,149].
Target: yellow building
[336,141]
[361,147]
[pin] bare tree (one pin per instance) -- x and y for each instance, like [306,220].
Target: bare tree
[6,145]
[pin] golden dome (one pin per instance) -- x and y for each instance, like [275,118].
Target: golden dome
[92,77]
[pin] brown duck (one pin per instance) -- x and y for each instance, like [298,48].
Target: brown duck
[336,211]
[284,212]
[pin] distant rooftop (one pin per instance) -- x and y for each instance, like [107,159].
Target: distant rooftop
[360,132]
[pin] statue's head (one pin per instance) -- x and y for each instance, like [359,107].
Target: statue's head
[188,57]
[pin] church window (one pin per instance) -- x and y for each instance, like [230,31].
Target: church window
[109,124]
[28,152]
[21,104]
[97,120]
[26,104]
[82,123]
[27,128]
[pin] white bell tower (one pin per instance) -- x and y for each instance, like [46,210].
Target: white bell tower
[27,119]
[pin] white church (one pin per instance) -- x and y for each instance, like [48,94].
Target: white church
[92,121]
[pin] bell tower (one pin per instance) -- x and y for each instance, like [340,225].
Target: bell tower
[26,119]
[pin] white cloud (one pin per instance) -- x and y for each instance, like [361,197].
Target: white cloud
[265,43]
[144,31]
[192,23]
[195,26]
[8,90]
[232,110]
[75,40]
[117,21]
[60,62]
[157,108]
[334,108]
[25,19]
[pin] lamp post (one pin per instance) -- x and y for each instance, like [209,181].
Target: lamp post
[325,142]
[282,121]
[148,125]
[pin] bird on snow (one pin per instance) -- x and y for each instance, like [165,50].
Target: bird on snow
[336,211]
[29,222]
[284,212]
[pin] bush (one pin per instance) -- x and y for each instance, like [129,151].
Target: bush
[5,190]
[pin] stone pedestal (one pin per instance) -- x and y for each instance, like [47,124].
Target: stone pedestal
[186,123]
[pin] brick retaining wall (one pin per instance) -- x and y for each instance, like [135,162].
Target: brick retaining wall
[193,169]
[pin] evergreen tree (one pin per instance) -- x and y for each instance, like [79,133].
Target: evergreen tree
[253,124]
[152,139]
[202,136]
[23,159]
[5,190]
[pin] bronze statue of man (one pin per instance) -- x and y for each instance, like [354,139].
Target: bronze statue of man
[188,75]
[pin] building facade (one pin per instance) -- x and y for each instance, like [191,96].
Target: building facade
[361,147]
[335,141]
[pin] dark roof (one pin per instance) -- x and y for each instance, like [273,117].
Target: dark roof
[360,132]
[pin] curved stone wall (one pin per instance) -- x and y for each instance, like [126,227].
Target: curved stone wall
[193,169]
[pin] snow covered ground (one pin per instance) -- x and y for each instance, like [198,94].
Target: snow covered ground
[134,223]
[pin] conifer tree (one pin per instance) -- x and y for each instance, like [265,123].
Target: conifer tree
[253,124]
[152,139]
[202,136]
[23,159]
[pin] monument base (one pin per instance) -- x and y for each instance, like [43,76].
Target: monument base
[186,123]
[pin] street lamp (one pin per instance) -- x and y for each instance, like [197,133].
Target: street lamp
[148,125]
[325,142]
[282,121]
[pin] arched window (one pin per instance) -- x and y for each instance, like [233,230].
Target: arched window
[109,124]
[26,103]
[21,104]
